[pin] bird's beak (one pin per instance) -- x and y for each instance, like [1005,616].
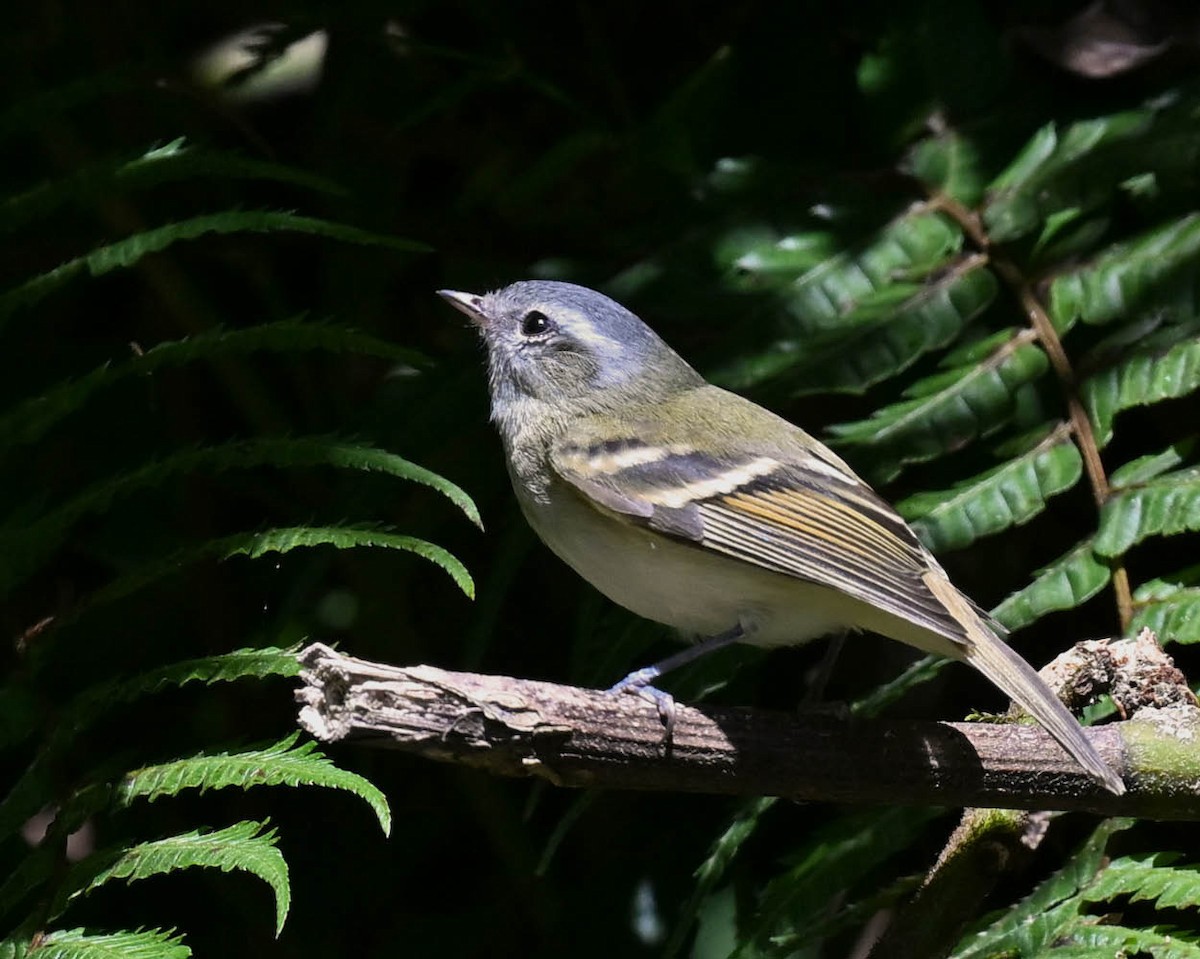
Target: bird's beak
[468,303]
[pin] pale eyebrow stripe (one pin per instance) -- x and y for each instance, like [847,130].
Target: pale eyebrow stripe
[581,327]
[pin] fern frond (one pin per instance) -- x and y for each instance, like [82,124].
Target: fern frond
[1008,495]
[1124,277]
[345,537]
[29,792]
[824,868]
[1038,919]
[245,846]
[1084,166]
[1170,606]
[1162,506]
[163,164]
[27,422]
[1070,581]
[948,410]
[25,548]
[221,668]
[710,872]
[883,336]
[281,540]
[126,252]
[908,249]
[1091,939]
[950,164]
[875,350]
[1162,366]
[1148,876]
[82,944]
[756,257]
[283,763]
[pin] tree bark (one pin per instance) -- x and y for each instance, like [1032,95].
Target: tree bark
[586,738]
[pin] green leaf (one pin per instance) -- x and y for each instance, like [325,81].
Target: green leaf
[948,163]
[27,422]
[81,944]
[1038,919]
[1032,158]
[1092,939]
[1127,276]
[343,537]
[906,250]
[712,870]
[1047,178]
[1086,165]
[946,411]
[26,547]
[883,336]
[824,868]
[1148,876]
[880,698]
[245,846]
[283,763]
[1068,582]
[1008,495]
[1163,366]
[1144,468]
[29,792]
[1170,606]
[164,164]
[280,540]
[874,351]
[757,257]
[126,252]
[1163,506]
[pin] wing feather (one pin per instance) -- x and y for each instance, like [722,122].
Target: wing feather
[796,515]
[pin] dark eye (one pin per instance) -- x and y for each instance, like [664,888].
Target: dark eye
[534,323]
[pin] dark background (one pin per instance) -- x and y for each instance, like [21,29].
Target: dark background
[578,141]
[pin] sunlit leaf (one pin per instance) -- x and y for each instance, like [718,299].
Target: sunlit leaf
[1164,365]
[1127,276]
[1170,606]
[1046,912]
[1084,165]
[1068,582]
[946,411]
[244,846]
[948,162]
[1008,495]
[1163,506]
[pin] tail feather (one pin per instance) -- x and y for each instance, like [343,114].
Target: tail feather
[1007,670]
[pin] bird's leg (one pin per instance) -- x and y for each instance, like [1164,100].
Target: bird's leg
[820,679]
[639,681]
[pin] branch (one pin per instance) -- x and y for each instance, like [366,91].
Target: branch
[585,738]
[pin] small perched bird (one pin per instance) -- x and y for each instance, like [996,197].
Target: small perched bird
[694,507]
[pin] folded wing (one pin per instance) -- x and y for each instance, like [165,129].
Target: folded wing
[803,516]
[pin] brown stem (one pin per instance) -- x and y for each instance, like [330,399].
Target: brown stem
[1081,425]
[987,845]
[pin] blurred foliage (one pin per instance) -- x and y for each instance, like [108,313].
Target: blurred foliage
[219,341]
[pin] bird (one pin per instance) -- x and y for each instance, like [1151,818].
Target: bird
[694,507]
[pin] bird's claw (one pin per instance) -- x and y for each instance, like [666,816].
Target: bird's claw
[638,683]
